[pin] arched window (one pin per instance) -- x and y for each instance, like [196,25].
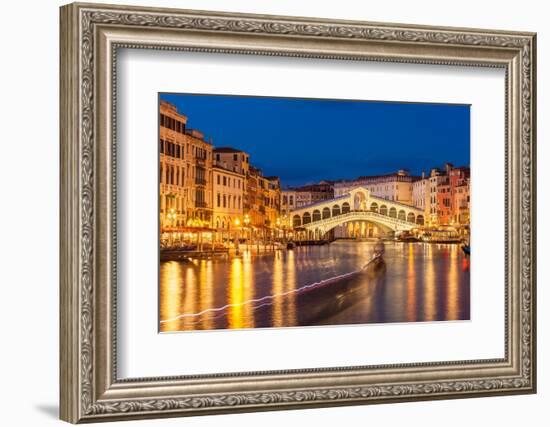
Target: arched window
[383,210]
[374,207]
[420,220]
[335,210]
[410,217]
[316,215]
[393,212]
[306,219]
[326,213]
[401,215]
[296,221]
[345,207]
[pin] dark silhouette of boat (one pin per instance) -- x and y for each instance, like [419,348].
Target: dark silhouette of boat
[331,296]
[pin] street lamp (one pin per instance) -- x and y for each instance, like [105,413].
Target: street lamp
[278,227]
[246,224]
[171,217]
[237,224]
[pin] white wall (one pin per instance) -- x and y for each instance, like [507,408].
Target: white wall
[29,212]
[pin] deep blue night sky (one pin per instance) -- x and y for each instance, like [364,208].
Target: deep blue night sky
[304,141]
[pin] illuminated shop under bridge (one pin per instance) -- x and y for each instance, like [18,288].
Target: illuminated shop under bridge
[356,214]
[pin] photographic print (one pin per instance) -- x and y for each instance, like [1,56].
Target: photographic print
[294,212]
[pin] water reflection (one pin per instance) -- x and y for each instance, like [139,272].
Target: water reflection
[417,282]
[411,285]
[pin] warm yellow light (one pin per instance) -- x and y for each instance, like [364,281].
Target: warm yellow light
[237,222]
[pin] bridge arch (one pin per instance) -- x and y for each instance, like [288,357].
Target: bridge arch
[316,215]
[345,207]
[358,205]
[374,207]
[360,201]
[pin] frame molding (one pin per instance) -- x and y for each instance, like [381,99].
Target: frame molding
[90,37]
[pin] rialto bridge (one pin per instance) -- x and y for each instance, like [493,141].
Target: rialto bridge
[356,214]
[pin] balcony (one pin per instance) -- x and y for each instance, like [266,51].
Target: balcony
[200,204]
[169,188]
[200,181]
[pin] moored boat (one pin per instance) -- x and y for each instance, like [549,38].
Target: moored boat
[446,235]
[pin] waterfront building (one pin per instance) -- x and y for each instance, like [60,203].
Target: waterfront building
[175,190]
[201,173]
[288,201]
[232,159]
[396,186]
[185,172]
[253,197]
[435,179]
[421,194]
[448,196]
[312,193]
[272,201]
[228,190]
[444,208]
[459,179]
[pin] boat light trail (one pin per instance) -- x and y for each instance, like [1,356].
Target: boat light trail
[263,300]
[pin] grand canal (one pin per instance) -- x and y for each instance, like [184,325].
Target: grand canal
[415,282]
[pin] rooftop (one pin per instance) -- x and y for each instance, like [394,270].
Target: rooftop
[227,150]
[404,174]
[323,187]
[217,166]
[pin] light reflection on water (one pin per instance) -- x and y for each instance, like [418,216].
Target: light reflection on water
[420,282]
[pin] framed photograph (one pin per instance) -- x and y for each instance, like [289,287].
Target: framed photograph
[265,212]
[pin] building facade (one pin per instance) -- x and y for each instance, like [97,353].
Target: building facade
[397,187]
[421,194]
[444,195]
[185,172]
[288,201]
[201,175]
[299,197]
[232,159]
[228,190]
[459,179]
[175,188]
[272,201]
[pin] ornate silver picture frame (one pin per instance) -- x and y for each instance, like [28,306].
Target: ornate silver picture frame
[91,35]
